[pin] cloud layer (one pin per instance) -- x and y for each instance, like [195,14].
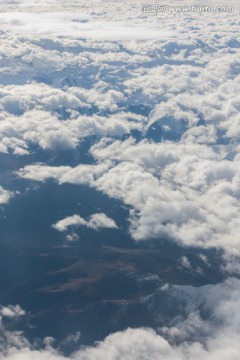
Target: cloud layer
[195,338]
[189,192]
[175,99]
[156,96]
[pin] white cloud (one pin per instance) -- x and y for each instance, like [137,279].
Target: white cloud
[185,262]
[183,190]
[44,74]
[74,220]
[5,195]
[12,311]
[81,174]
[193,338]
[72,237]
[30,115]
[96,222]
[101,220]
[77,25]
[66,75]
[204,259]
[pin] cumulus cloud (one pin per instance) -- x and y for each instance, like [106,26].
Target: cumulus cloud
[5,195]
[74,220]
[12,311]
[30,115]
[180,95]
[179,79]
[193,338]
[100,220]
[159,96]
[186,191]
[81,174]
[95,221]
[176,189]
[185,262]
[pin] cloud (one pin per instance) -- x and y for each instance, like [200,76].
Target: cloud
[183,190]
[95,221]
[31,114]
[74,220]
[181,182]
[193,338]
[72,237]
[178,79]
[69,24]
[12,311]
[100,220]
[159,96]
[185,262]
[81,174]
[5,195]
